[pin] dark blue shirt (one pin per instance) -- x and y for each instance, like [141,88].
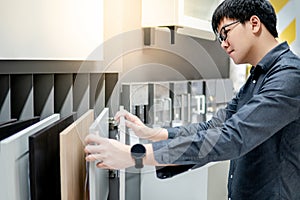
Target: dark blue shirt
[259,131]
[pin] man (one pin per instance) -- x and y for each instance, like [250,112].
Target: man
[258,131]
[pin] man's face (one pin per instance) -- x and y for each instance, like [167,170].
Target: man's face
[232,35]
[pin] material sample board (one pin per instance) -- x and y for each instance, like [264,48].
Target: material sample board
[11,128]
[98,178]
[14,159]
[44,161]
[72,158]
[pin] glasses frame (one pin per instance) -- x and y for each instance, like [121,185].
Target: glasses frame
[222,35]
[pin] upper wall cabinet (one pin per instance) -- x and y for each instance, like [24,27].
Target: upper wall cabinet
[191,17]
[51,29]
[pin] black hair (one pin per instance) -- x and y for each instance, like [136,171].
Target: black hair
[242,10]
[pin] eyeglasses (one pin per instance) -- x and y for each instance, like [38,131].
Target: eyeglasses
[222,36]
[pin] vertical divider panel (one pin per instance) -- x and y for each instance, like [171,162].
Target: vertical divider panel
[111,80]
[63,94]
[22,96]
[81,89]
[112,93]
[5,98]
[97,92]
[43,95]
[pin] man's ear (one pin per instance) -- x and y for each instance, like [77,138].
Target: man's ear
[255,24]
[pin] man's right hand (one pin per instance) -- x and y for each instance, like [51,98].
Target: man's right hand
[140,129]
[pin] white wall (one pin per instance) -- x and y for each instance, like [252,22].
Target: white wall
[50,29]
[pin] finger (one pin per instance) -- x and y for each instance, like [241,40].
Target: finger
[93,139]
[131,117]
[103,166]
[94,157]
[119,114]
[117,117]
[93,149]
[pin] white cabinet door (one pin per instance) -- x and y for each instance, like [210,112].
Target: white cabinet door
[192,17]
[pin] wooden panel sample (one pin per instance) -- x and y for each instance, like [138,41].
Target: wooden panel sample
[72,158]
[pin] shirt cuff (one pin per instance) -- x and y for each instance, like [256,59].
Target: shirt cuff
[160,150]
[172,132]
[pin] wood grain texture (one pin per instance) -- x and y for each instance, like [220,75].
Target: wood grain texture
[72,158]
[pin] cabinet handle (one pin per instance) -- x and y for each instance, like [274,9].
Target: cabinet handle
[200,104]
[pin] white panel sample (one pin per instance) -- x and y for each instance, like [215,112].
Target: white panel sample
[122,138]
[98,178]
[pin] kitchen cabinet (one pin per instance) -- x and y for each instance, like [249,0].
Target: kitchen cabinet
[189,17]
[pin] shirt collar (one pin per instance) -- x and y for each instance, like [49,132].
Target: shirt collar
[268,60]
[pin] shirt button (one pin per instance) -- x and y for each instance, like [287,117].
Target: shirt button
[254,81]
[231,176]
[229,198]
